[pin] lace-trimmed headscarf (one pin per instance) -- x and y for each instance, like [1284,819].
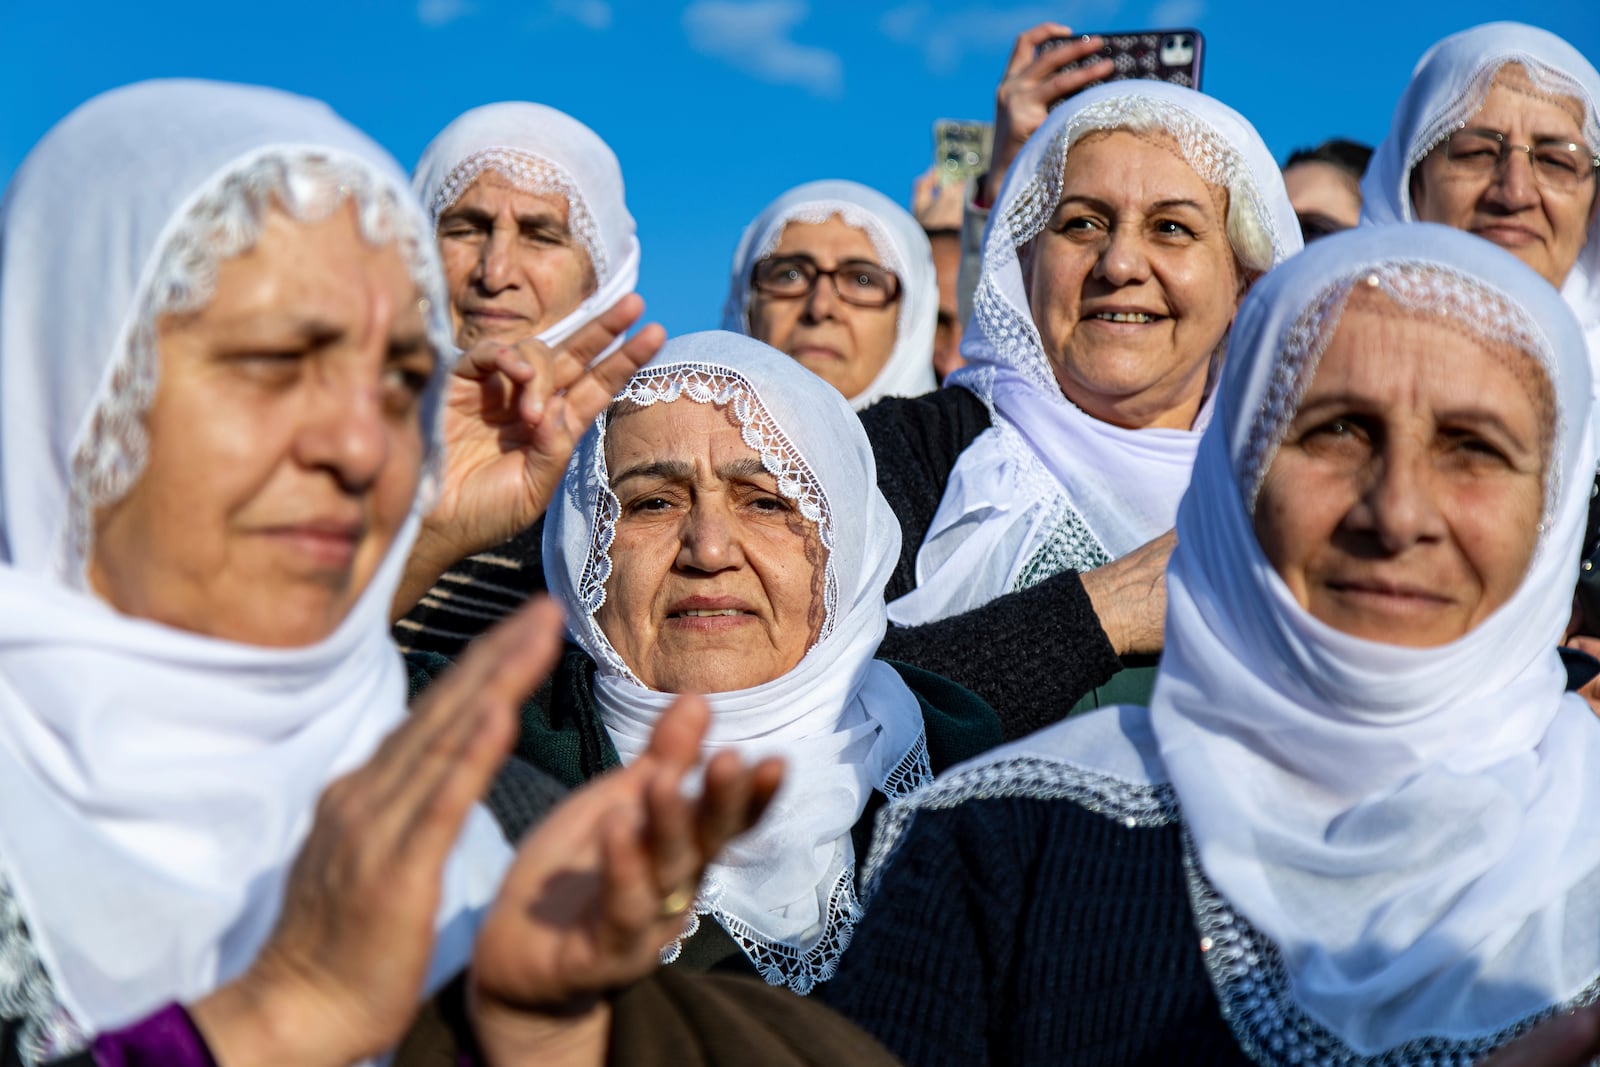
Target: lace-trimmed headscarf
[1394,853]
[901,245]
[1049,487]
[155,784]
[845,722]
[1446,89]
[541,150]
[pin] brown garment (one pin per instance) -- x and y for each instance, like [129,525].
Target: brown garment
[681,1019]
[678,1019]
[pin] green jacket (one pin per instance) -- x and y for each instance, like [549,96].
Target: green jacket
[562,735]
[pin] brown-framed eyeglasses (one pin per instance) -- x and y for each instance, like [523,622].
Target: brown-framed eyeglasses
[856,281]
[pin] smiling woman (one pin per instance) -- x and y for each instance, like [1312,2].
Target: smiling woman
[1038,489]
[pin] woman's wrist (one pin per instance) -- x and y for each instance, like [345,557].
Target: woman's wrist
[575,1035]
[255,1022]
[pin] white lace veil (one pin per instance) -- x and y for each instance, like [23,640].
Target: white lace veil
[902,246]
[1446,89]
[1394,852]
[1049,487]
[844,722]
[542,150]
[154,783]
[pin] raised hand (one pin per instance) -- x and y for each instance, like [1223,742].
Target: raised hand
[1028,88]
[512,417]
[602,884]
[342,974]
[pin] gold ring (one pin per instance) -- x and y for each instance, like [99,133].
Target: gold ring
[676,904]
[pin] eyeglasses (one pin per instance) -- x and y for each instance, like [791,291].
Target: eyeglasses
[1560,166]
[856,281]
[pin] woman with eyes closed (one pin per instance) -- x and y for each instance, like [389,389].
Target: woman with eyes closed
[1498,134]
[720,531]
[210,475]
[1037,490]
[1357,822]
[841,278]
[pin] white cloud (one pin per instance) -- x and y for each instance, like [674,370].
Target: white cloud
[1176,14]
[754,37]
[440,12]
[947,37]
[595,14]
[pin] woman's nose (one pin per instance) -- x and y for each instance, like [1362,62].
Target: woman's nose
[1400,503]
[1513,186]
[709,538]
[344,431]
[1124,259]
[495,262]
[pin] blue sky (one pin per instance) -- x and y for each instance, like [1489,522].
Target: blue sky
[716,106]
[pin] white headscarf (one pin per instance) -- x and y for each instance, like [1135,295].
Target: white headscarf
[1446,89]
[154,783]
[901,245]
[1394,851]
[542,150]
[1048,487]
[844,722]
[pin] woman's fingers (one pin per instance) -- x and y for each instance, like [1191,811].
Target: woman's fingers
[1047,67]
[1028,42]
[589,395]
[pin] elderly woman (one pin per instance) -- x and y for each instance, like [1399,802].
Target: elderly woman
[868,331]
[1498,134]
[1355,823]
[536,240]
[1037,493]
[210,474]
[720,531]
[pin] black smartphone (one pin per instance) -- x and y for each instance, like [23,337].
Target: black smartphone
[1175,56]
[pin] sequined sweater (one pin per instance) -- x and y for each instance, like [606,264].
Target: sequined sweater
[1021,931]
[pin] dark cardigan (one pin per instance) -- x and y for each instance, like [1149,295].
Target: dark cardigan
[562,736]
[1020,931]
[1034,654]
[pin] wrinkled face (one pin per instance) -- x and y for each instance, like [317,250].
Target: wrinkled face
[285,442]
[1323,196]
[1132,283]
[716,580]
[513,265]
[947,335]
[1404,503]
[1545,228]
[844,344]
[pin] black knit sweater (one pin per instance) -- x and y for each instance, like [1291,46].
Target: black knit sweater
[1031,654]
[1020,931]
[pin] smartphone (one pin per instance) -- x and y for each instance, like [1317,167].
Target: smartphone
[961,149]
[1174,56]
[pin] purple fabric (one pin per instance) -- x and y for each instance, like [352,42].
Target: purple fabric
[167,1038]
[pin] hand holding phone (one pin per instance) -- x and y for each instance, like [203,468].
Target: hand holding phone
[1174,56]
[1031,83]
